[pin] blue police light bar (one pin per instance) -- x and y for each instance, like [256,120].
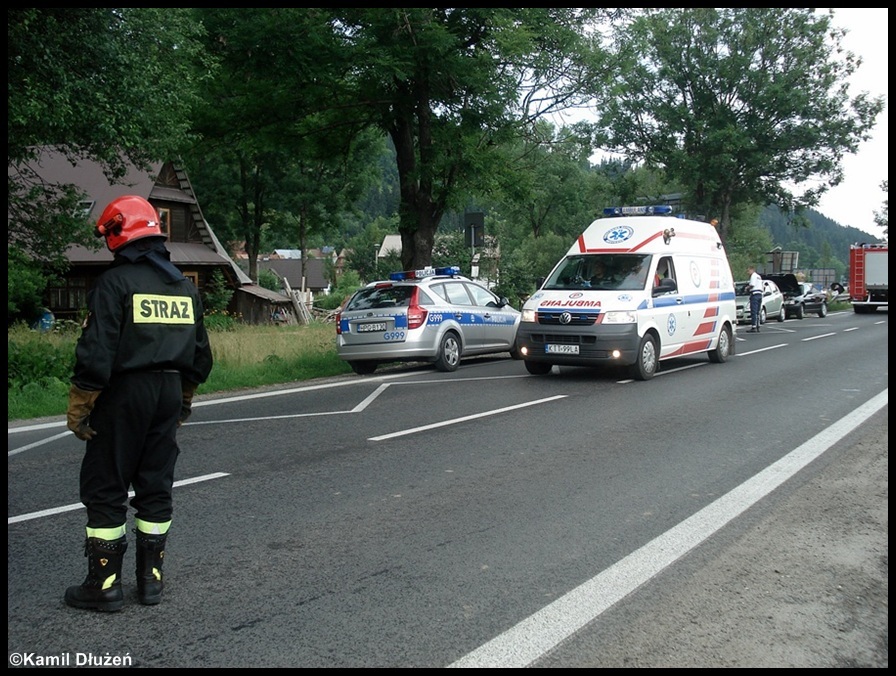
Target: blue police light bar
[424,272]
[660,210]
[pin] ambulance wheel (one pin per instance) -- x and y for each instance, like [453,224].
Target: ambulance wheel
[647,362]
[448,358]
[363,368]
[762,316]
[723,349]
[538,368]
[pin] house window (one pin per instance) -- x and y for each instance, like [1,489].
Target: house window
[193,277]
[165,220]
[70,296]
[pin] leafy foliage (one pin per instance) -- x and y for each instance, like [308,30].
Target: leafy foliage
[882,217]
[34,357]
[737,104]
[115,85]
[269,280]
[217,293]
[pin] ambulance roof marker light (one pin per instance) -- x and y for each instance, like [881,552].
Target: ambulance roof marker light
[428,271]
[658,210]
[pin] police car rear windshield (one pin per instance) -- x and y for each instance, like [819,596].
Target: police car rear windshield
[380,297]
[607,272]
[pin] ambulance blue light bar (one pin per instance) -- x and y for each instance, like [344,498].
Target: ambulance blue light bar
[660,210]
[424,272]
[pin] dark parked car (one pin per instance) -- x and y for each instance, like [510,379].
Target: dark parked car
[800,298]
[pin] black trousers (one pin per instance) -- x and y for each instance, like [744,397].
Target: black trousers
[135,446]
[755,308]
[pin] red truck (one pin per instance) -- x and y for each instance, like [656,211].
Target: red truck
[868,269]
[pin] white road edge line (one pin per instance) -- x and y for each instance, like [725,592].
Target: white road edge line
[70,508]
[522,644]
[465,418]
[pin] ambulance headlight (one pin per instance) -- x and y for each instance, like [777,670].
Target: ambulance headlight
[622,317]
[528,315]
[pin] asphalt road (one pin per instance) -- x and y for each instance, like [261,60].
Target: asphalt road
[425,519]
[802,581]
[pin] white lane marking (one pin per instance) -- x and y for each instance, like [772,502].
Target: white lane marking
[37,443]
[522,644]
[823,335]
[465,418]
[70,508]
[369,400]
[761,349]
[272,393]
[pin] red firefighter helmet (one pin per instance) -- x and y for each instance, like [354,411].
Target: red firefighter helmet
[126,219]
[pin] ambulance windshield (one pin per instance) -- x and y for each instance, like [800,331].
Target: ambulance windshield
[608,272]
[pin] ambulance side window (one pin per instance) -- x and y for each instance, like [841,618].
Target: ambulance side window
[664,270]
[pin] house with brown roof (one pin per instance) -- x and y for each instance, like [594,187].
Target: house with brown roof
[307,274]
[194,248]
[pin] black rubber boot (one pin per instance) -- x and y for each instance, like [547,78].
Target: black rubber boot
[101,590]
[150,557]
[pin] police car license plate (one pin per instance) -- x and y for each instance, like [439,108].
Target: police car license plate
[562,349]
[371,326]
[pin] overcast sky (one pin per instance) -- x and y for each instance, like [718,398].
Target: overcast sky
[855,200]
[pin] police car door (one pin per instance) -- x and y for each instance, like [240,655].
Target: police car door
[497,321]
[464,312]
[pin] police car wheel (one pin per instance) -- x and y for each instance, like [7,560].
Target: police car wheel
[363,368]
[647,361]
[538,368]
[448,358]
[723,349]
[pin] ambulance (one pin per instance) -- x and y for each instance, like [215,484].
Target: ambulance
[639,286]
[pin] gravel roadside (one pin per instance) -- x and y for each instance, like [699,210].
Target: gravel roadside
[800,580]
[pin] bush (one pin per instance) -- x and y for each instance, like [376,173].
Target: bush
[220,321]
[217,293]
[35,357]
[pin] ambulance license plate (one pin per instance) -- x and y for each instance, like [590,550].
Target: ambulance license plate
[371,326]
[562,349]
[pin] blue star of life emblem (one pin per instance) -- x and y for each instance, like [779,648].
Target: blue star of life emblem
[671,325]
[618,234]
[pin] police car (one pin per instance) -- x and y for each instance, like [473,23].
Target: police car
[434,315]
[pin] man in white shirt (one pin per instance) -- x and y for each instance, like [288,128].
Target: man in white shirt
[755,299]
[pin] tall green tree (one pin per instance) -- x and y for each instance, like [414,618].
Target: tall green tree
[882,217]
[276,150]
[450,85]
[114,85]
[549,184]
[738,105]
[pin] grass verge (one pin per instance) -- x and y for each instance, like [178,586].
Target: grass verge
[245,357]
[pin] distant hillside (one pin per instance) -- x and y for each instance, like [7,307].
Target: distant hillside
[822,240]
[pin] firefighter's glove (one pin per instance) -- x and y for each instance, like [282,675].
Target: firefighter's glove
[188,389]
[80,405]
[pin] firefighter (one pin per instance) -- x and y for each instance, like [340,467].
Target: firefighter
[141,355]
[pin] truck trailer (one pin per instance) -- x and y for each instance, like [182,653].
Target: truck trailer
[868,280]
